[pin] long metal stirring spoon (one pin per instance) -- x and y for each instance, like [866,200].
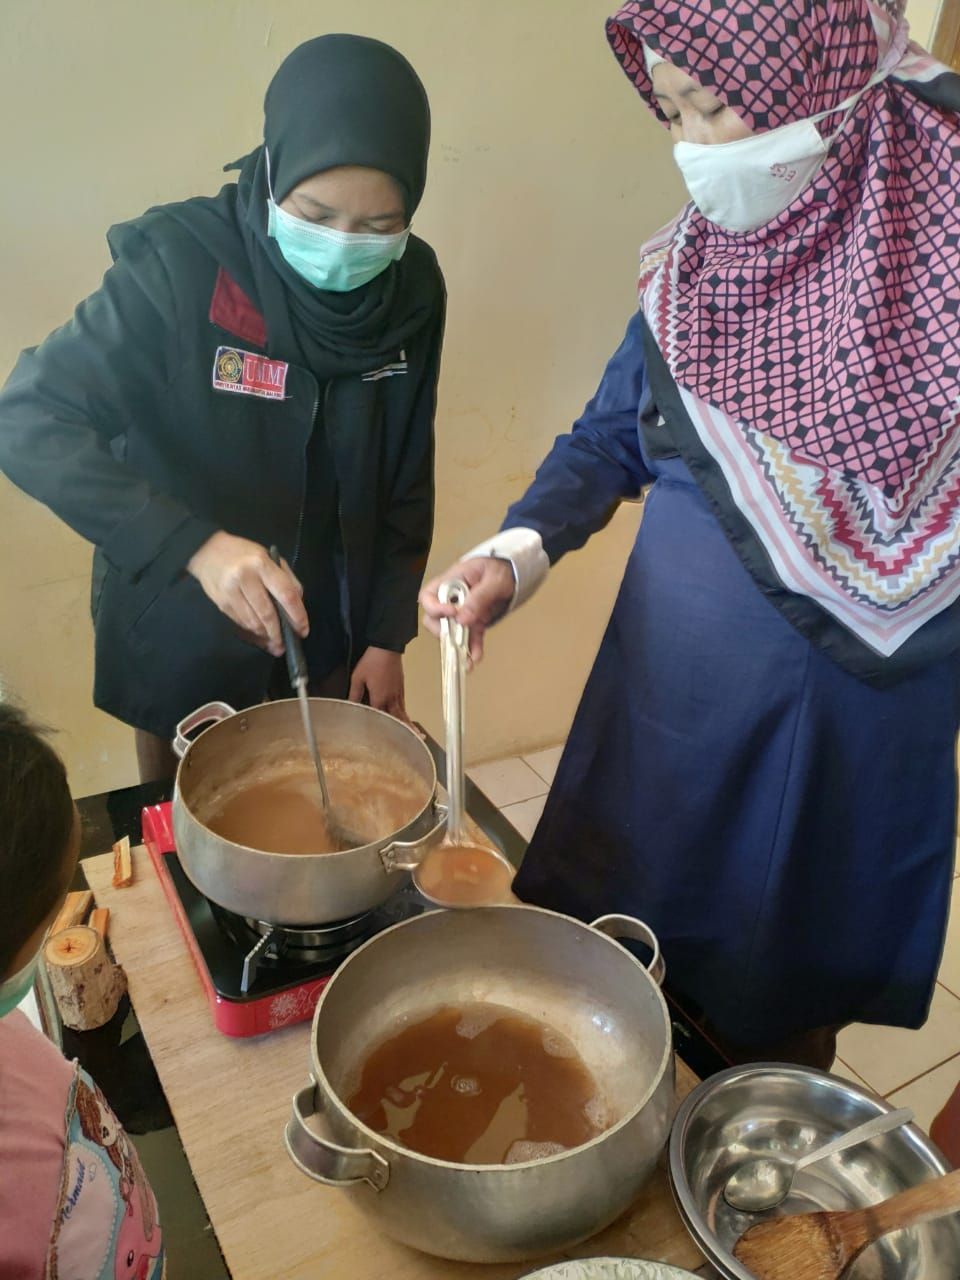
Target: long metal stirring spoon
[340,835]
[765,1182]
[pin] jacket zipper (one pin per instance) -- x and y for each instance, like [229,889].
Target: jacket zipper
[303,482]
[343,546]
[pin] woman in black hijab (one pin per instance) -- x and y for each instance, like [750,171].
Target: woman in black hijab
[257,368]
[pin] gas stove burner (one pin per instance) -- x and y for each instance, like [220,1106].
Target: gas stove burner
[319,935]
[259,976]
[272,946]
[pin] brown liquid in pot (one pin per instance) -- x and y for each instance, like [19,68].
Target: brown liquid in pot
[479,1084]
[277,808]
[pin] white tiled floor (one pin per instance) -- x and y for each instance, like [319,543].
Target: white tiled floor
[929,1092]
[950,966]
[545,762]
[525,815]
[917,1069]
[889,1057]
[508,781]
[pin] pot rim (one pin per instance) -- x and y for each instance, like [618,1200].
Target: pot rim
[398,835]
[320,1076]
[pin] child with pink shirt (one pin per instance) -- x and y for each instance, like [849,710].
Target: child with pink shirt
[74,1201]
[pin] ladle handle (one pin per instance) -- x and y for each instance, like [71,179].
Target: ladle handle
[862,1133]
[292,647]
[454,647]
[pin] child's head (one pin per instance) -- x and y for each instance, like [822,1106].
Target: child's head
[39,838]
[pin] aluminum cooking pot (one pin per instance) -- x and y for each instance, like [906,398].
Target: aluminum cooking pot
[295,889]
[572,976]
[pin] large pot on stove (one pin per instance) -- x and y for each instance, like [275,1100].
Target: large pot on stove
[573,977]
[295,889]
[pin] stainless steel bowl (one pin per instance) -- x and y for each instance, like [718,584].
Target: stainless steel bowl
[752,1111]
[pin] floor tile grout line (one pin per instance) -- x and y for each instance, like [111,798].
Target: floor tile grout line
[540,795]
[941,983]
[936,1067]
[863,1079]
[514,803]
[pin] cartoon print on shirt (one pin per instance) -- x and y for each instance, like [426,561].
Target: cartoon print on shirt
[101,1127]
[118,1237]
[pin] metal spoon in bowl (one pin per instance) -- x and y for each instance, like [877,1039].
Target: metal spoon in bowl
[764,1182]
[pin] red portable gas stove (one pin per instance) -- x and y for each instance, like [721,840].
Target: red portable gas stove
[259,976]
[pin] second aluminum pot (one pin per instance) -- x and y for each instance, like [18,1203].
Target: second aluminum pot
[573,977]
[295,889]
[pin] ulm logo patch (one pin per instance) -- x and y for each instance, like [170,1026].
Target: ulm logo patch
[249,374]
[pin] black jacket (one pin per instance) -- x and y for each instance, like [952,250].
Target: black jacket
[115,423]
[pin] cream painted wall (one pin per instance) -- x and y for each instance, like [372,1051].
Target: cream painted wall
[923,18]
[546,176]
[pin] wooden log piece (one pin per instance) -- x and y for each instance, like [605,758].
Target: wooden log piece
[74,910]
[99,920]
[86,984]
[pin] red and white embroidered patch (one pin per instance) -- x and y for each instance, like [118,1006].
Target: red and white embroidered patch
[249,374]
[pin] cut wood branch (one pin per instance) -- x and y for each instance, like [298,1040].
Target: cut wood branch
[86,984]
[74,910]
[100,920]
[122,864]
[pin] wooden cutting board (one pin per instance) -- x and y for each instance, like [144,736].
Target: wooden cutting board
[231,1100]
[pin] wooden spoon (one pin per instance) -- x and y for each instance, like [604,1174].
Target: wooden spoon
[820,1246]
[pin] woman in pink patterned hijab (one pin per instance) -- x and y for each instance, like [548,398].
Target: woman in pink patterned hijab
[817,353]
[762,763]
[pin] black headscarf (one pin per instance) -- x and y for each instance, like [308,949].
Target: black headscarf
[335,100]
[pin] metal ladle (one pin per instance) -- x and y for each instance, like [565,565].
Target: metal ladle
[766,1181]
[454,649]
[459,857]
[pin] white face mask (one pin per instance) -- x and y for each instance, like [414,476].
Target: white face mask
[744,184]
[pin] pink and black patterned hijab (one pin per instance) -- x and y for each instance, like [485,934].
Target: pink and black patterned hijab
[817,358]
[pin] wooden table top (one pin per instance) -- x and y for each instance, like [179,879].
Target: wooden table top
[231,1099]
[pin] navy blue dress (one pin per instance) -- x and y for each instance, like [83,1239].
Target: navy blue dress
[786,829]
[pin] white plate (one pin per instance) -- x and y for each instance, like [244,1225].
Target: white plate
[610,1269]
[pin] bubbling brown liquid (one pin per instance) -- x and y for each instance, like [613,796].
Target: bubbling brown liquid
[277,807]
[479,1084]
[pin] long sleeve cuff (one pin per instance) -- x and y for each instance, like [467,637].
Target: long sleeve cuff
[523,548]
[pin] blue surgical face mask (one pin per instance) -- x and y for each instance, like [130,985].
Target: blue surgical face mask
[14,988]
[328,259]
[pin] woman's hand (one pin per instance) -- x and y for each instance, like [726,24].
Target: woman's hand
[491,586]
[243,582]
[378,677]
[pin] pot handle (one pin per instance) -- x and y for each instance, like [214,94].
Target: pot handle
[323,1160]
[615,927]
[209,713]
[406,855]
